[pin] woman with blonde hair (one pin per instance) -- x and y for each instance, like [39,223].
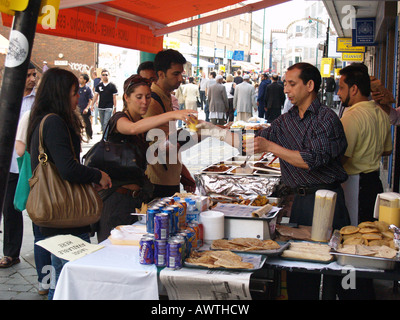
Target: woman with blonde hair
[230,89]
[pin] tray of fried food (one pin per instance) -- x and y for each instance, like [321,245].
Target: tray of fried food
[308,252]
[252,245]
[369,240]
[223,260]
[217,169]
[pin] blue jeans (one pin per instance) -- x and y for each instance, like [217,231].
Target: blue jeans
[105,115]
[57,265]
[42,256]
[207,111]
[181,107]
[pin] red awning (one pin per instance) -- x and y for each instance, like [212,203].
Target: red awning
[137,24]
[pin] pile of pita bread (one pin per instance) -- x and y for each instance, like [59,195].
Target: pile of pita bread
[373,239]
[217,259]
[244,244]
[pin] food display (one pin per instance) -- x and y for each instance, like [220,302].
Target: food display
[373,239]
[219,168]
[217,259]
[308,251]
[244,244]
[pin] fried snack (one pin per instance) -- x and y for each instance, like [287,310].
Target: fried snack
[356,235]
[244,244]
[388,234]
[349,230]
[216,259]
[369,230]
[353,241]
[381,225]
[372,236]
[367,224]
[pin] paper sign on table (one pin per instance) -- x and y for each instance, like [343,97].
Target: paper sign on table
[68,247]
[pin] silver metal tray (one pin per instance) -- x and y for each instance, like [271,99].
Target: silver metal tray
[270,253]
[368,262]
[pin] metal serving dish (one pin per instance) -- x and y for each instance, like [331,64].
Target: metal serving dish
[368,262]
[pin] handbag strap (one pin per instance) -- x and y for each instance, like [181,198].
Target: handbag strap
[42,153]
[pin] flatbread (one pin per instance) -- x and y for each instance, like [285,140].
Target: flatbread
[368,230]
[216,259]
[349,230]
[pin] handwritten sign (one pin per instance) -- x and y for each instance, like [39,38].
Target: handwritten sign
[68,247]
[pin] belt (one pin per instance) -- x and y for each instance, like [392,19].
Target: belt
[133,193]
[304,190]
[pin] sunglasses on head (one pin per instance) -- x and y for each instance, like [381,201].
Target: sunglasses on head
[105,74]
[138,80]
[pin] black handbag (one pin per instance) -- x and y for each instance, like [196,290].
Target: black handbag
[117,155]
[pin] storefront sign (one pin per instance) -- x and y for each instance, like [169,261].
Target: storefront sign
[326,67]
[10,6]
[345,45]
[364,32]
[353,56]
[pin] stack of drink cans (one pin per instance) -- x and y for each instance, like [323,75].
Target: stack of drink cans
[170,237]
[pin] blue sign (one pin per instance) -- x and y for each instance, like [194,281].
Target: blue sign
[229,54]
[364,32]
[238,55]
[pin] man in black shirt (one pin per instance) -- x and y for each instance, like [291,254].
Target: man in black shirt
[84,102]
[106,92]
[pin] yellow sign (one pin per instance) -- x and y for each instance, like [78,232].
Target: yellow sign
[10,6]
[352,56]
[345,45]
[326,67]
[48,13]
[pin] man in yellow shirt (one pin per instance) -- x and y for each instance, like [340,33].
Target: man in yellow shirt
[168,175]
[368,135]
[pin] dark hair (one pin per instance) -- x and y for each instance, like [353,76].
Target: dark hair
[85,77]
[357,74]
[165,58]
[53,96]
[131,83]
[191,79]
[146,65]
[213,73]
[308,72]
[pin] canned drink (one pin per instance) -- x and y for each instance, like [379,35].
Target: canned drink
[146,250]
[182,240]
[183,235]
[161,226]
[151,212]
[160,253]
[182,205]
[195,226]
[177,210]
[190,235]
[174,254]
[170,212]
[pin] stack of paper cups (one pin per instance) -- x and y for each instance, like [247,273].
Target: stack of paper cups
[213,225]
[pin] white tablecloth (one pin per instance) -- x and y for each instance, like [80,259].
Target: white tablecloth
[111,273]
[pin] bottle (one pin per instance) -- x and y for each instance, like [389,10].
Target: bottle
[192,214]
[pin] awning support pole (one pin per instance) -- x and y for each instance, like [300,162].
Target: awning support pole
[12,89]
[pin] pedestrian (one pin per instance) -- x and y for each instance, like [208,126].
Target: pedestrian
[274,100]
[230,90]
[218,101]
[12,218]
[166,177]
[96,80]
[106,92]
[244,99]
[45,67]
[85,104]
[124,196]
[329,90]
[191,94]
[58,94]
[265,81]
[211,81]
[310,141]
[238,79]
[202,89]
[368,134]
[181,100]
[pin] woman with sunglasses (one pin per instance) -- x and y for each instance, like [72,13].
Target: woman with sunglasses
[122,199]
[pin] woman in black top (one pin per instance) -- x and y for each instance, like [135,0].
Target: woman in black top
[125,196]
[58,94]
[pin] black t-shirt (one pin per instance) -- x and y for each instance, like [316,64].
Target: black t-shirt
[106,93]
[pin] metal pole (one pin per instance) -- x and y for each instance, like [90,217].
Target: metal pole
[12,90]
[270,53]
[263,45]
[198,51]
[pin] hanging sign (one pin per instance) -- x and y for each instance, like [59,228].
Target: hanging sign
[353,56]
[345,45]
[364,32]
[10,6]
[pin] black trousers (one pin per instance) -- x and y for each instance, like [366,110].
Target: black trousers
[369,186]
[88,124]
[12,220]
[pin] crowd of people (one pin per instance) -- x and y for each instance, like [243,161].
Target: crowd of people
[316,148]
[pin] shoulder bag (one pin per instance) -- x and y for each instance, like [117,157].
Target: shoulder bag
[118,157]
[57,203]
